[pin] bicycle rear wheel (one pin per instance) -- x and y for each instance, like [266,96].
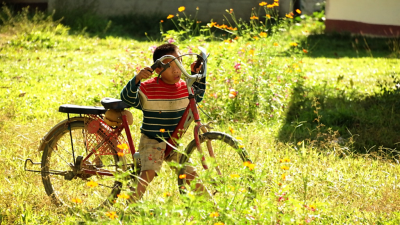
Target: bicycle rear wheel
[226,179]
[62,169]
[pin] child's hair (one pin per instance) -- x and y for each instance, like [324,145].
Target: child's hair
[165,49]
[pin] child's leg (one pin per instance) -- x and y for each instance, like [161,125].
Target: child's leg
[145,178]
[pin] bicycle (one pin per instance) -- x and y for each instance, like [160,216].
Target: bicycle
[84,159]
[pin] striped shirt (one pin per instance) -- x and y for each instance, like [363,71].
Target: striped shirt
[162,104]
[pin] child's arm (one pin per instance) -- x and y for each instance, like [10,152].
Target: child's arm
[198,84]
[129,93]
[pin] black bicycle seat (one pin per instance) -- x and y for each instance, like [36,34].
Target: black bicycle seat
[113,103]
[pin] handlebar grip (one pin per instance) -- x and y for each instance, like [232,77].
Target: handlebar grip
[155,65]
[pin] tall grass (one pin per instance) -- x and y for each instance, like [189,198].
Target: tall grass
[291,105]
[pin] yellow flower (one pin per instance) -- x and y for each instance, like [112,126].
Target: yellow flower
[276,4]
[263,3]
[231,11]
[298,11]
[284,167]
[254,18]
[251,166]
[239,138]
[294,44]
[120,154]
[313,207]
[219,223]
[162,130]
[283,176]
[170,16]
[270,6]
[247,163]
[214,214]
[235,176]
[276,44]
[263,34]
[181,9]
[76,200]
[241,146]
[251,51]
[123,146]
[182,176]
[289,16]
[284,160]
[167,194]
[242,190]
[255,37]
[231,129]
[92,184]
[123,196]
[269,16]
[112,215]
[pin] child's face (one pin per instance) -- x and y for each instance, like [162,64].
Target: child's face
[173,74]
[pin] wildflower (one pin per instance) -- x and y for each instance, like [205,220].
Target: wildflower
[161,21]
[123,196]
[219,223]
[120,154]
[170,16]
[182,176]
[276,0]
[289,16]
[284,160]
[276,44]
[299,143]
[123,146]
[242,190]
[171,40]
[263,34]
[251,166]
[111,215]
[255,37]
[235,176]
[197,8]
[231,11]
[212,24]
[276,4]
[294,44]
[230,128]
[237,66]
[92,184]
[270,6]
[251,51]
[241,146]
[298,11]
[76,200]
[312,207]
[239,138]
[284,167]
[269,16]
[254,18]
[214,214]
[223,26]
[181,9]
[305,51]
[167,194]
[283,176]
[262,3]
[247,163]
[162,130]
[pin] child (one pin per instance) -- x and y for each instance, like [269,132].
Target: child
[163,102]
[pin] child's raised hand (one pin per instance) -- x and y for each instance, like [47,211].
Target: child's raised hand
[144,74]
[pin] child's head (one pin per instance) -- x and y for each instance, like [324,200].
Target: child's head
[173,74]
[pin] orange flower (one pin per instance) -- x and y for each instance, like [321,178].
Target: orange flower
[111,215]
[276,44]
[181,9]
[231,130]
[120,154]
[230,11]
[254,18]
[214,214]
[289,16]
[270,6]
[305,51]
[298,11]
[162,130]
[123,196]
[162,21]
[263,3]
[182,176]
[76,200]
[255,37]
[269,16]
[123,146]
[247,163]
[170,16]
[276,4]
[212,24]
[92,184]
[263,34]
[251,166]
[276,0]
[223,26]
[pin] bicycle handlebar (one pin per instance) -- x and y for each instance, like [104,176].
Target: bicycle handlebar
[200,58]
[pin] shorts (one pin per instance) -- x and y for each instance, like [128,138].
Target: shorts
[152,155]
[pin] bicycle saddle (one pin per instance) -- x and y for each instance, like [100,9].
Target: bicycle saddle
[113,103]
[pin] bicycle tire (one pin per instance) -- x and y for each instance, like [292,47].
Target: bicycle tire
[72,191]
[233,183]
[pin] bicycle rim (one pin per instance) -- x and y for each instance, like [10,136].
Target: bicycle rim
[90,191]
[226,178]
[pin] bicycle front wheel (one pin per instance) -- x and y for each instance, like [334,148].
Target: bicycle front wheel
[221,169]
[62,166]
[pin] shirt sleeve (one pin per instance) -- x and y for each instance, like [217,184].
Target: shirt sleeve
[130,94]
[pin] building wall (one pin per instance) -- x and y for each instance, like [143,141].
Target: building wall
[380,18]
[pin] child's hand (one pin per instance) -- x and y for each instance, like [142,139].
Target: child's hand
[195,70]
[144,74]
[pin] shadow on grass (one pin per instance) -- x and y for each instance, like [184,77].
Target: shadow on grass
[346,45]
[364,124]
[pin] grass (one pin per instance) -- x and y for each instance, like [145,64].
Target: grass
[331,177]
